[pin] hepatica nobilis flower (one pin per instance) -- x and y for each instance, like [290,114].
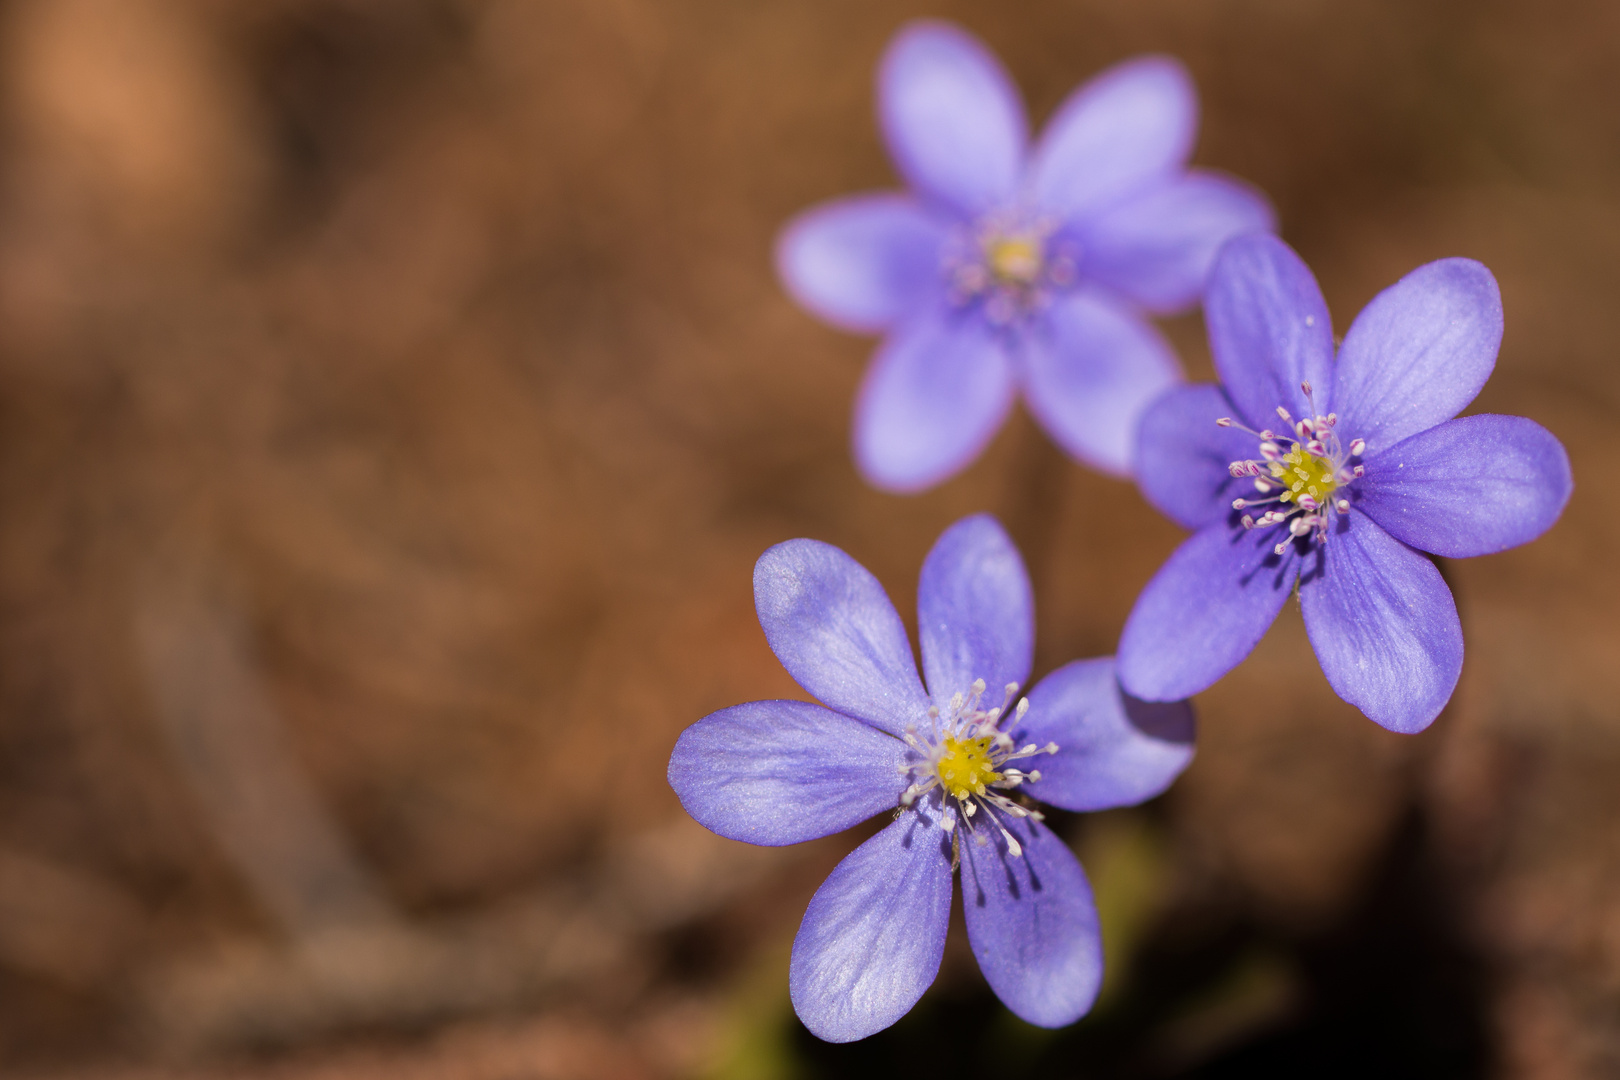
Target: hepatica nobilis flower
[1334,472]
[1008,266]
[955,763]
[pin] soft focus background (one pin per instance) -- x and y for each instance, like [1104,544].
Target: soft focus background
[395,395]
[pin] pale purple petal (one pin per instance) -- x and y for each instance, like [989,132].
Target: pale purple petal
[935,394]
[1268,330]
[952,118]
[1182,456]
[1418,353]
[874,933]
[975,611]
[832,626]
[1091,367]
[1470,486]
[1383,625]
[1130,126]
[1113,750]
[780,772]
[1157,246]
[865,262]
[1204,611]
[1032,922]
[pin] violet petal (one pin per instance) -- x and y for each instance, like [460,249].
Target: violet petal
[1182,456]
[864,262]
[1157,246]
[1418,353]
[1204,611]
[1091,367]
[874,933]
[1470,486]
[832,626]
[1268,330]
[1383,625]
[1130,126]
[975,612]
[780,772]
[1112,750]
[935,394]
[952,118]
[1031,921]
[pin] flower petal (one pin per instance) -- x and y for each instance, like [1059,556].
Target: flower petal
[1182,455]
[1204,611]
[832,626]
[1113,750]
[1419,352]
[1091,368]
[1268,329]
[780,772]
[935,394]
[953,119]
[863,263]
[1470,486]
[975,611]
[874,933]
[1131,125]
[1032,923]
[1157,246]
[1383,625]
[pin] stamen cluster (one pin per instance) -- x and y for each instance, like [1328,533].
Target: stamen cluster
[1010,263]
[966,754]
[1300,474]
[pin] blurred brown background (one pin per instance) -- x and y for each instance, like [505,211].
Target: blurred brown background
[395,394]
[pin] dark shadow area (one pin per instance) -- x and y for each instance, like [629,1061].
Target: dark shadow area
[1388,991]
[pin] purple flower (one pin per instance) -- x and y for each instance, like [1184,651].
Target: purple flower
[1011,267]
[949,763]
[1334,472]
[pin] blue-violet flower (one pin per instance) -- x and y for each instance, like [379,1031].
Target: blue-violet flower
[1008,267]
[1334,472]
[951,765]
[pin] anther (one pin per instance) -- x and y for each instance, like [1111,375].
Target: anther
[1225,421]
[1358,447]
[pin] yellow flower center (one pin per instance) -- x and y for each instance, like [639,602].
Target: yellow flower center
[1301,473]
[1014,259]
[965,767]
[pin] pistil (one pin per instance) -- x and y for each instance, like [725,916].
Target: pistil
[967,755]
[1009,262]
[1300,476]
